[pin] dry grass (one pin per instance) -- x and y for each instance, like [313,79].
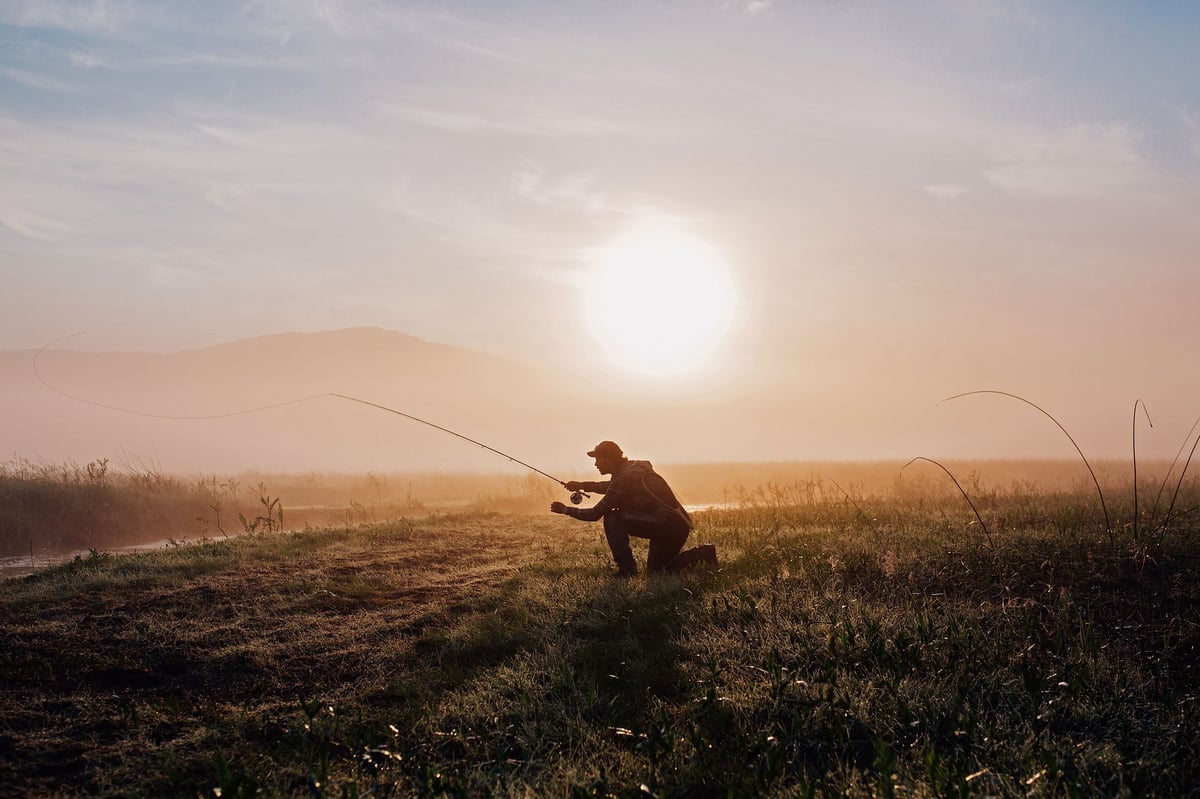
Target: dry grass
[874,646]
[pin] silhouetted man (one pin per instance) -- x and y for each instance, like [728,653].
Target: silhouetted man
[637,502]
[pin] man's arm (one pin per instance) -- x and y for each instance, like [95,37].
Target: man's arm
[592,487]
[592,514]
[607,502]
[615,493]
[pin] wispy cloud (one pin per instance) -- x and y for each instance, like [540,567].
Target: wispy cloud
[756,7]
[457,121]
[32,225]
[86,60]
[464,36]
[92,17]
[1083,159]
[35,80]
[514,122]
[577,191]
[991,12]
[946,191]
[1191,125]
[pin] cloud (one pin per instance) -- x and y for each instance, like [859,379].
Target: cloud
[36,81]
[229,197]
[32,225]
[946,191]
[1080,160]
[87,60]
[116,181]
[576,190]
[513,121]
[467,37]
[993,12]
[1191,124]
[456,121]
[103,17]
[751,7]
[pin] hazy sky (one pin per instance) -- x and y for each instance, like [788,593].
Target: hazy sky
[913,199]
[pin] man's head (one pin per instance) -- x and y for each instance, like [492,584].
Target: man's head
[608,457]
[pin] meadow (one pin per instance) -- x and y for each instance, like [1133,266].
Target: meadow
[852,642]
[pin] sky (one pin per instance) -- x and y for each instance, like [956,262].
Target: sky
[911,199]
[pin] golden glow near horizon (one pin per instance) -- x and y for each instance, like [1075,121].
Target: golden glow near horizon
[659,300]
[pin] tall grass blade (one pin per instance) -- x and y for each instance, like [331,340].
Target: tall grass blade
[858,508]
[987,534]
[1182,473]
[1167,476]
[1136,508]
[1099,491]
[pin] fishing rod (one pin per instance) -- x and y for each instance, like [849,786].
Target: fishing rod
[576,496]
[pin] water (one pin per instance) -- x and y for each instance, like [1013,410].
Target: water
[692,507]
[21,565]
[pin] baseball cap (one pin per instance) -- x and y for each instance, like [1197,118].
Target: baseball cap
[607,448]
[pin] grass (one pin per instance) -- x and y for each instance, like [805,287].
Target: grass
[857,646]
[62,507]
[59,508]
[49,509]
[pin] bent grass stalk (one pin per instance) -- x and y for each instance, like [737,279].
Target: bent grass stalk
[987,534]
[1179,484]
[1136,509]
[1167,476]
[1099,491]
[850,499]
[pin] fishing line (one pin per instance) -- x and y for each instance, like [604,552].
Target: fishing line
[445,430]
[576,497]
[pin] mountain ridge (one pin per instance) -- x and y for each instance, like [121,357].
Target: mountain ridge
[452,386]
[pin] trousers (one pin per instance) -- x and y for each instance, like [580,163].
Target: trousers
[667,538]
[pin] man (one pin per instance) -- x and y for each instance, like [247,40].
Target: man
[637,502]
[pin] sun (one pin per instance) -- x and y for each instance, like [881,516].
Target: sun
[659,300]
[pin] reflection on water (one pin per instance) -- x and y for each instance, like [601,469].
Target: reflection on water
[21,565]
[692,507]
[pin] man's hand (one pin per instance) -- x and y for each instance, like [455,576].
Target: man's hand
[558,507]
[573,485]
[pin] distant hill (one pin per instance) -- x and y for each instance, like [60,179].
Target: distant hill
[542,416]
[506,404]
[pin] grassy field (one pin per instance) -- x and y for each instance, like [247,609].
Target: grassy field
[869,646]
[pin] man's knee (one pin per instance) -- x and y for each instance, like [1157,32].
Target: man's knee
[664,547]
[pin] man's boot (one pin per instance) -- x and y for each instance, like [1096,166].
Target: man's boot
[705,553]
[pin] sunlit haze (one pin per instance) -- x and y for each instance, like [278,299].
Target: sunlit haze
[659,301]
[730,230]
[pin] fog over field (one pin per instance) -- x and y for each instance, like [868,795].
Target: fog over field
[543,416]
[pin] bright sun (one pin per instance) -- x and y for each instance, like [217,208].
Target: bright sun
[659,301]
